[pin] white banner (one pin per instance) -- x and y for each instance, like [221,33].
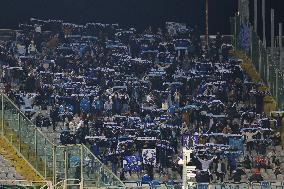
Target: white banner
[146,138]
[149,156]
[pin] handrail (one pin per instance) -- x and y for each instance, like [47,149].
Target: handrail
[61,182]
[22,114]
[23,182]
[45,186]
[64,183]
[104,166]
[87,149]
[20,154]
[81,147]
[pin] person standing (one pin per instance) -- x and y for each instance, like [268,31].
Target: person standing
[220,170]
[249,140]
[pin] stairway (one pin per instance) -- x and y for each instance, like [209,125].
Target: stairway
[14,171]
[38,157]
[20,169]
[7,170]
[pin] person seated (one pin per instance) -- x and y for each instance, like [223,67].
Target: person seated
[247,162]
[146,179]
[237,175]
[260,162]
[277,171]
[202,177]
[66,137]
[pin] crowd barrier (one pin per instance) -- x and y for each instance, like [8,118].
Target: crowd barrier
[225,185]
[52,162]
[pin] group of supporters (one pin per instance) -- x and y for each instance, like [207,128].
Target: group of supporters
[136,98]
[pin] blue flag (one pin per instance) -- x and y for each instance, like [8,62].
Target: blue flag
[132,163]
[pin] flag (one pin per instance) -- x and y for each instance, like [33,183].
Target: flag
[186,140]
[244,38]
[149,156]
[75,161]
[132,163]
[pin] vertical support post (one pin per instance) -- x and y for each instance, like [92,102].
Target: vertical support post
[45,159]
[276,86]
[281,64]
[20,134]
[207,25]
[82,168]
[263,23]
[184,172]
[65,164]
[186,169]
[280,48]
[235,27]
[36,158]
[54,164]
[239,6]
[2,114]
[260,58]
[251,44]
[246,10]
[272,30]
[267,71]
[65,184]
[255,16]
[241,10]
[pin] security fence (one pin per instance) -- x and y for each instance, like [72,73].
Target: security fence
[266,60]
[52,162]
[225,185]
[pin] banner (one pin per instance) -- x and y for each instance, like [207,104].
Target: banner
[173,27]
[132,163]
[146,138]
[236,143]
[75,161]
[244,38]
[149,156]
[186,140]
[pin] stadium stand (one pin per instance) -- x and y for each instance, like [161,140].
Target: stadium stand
[81,100]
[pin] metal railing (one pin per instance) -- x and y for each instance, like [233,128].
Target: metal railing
[225,185]
[266,60]
[52,162]
[24,184]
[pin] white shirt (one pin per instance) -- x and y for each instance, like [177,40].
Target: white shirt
[249,135]
[219,168]
[107,105]
[205,163]
[165,106]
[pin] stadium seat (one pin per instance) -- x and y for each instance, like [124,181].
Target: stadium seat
[154,184]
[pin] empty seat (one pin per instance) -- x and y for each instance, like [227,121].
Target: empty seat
[7,171]
[244,178]
[3,176]
[280,177]
[247,171]
[278,148]
[272,176]
[10,176]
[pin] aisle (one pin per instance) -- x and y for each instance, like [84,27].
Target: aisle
[18,168]
[8,172]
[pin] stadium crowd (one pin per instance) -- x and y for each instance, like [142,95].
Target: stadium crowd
[137,97]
